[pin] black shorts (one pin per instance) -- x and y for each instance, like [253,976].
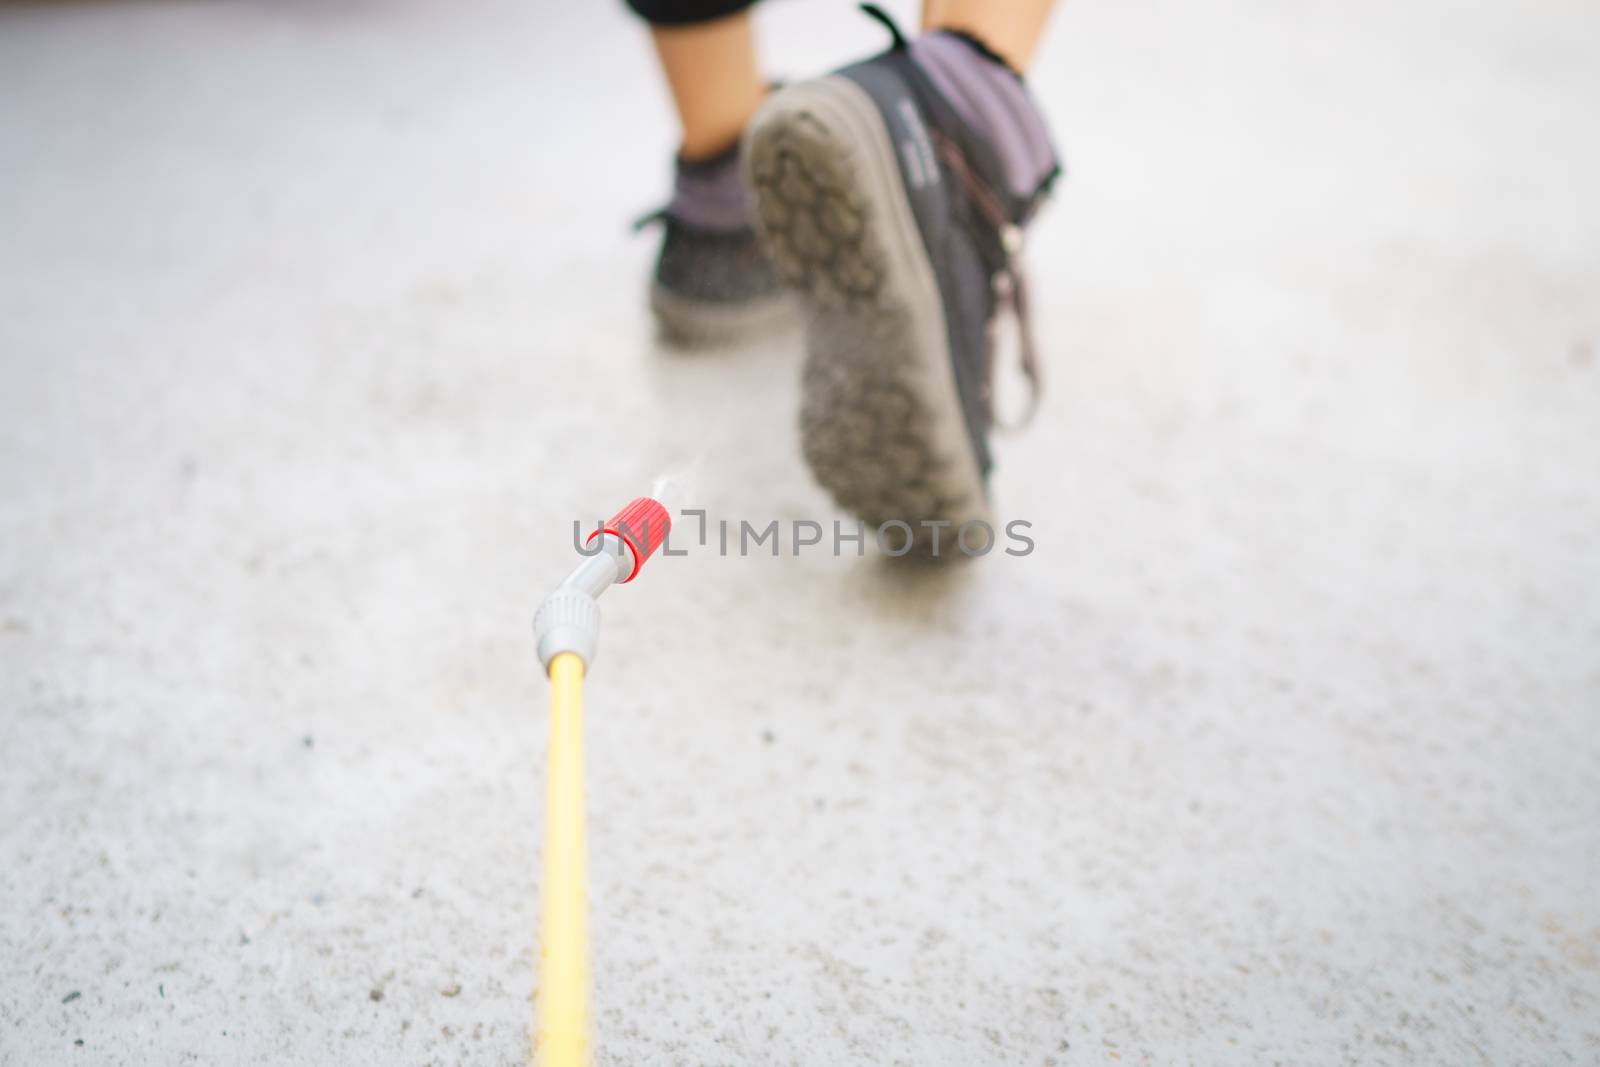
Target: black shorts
[685,12]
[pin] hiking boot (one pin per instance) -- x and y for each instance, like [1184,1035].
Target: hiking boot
[712,282]
[891,196]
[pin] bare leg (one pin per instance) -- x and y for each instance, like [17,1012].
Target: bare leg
[1011,28]
[711,70]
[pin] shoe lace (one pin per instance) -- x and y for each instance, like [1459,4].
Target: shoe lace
[1009,281]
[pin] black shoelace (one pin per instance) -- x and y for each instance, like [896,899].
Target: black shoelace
[1009,281]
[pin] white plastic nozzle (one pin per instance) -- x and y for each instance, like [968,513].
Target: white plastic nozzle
[567,621]
[569,618]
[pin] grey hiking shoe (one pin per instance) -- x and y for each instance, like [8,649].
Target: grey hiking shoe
[712,281]
[897,220]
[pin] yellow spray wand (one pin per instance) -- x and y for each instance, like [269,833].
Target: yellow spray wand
[568,628]
[563,1031]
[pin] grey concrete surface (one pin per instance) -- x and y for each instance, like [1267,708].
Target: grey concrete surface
[320,322]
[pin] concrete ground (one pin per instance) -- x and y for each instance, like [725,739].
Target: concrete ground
[320,323]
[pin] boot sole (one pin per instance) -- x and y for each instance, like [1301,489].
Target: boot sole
[881,421]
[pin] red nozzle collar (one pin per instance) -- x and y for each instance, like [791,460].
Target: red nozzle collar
[641,525]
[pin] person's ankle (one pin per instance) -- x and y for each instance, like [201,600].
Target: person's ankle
[977,44]
[708,191]
[706,148]
[992,98]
